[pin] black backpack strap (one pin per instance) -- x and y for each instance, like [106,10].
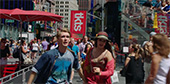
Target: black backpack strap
[71,52]
[75,59]
[56,57]
[52,65]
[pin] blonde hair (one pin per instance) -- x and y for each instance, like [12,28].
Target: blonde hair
[62,30]
[161,44]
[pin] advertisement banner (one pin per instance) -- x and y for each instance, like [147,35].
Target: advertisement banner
[78,23]
[163,23]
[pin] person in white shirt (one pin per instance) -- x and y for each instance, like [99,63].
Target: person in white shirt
[35,48]
[159,47]
[55,45]
[83,44]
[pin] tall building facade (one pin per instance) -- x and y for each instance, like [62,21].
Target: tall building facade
[63,8]
[83,4]
[111,18]
[45,28]
[45,5]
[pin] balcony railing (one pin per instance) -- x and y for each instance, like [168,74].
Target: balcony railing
[141,20]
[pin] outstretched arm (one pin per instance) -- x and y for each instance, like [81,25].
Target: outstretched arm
[31,78]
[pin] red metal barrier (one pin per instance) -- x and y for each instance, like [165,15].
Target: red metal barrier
[119,54]
[9,68]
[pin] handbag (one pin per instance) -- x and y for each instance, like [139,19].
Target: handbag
[28,60]
[123,72]
[114,77]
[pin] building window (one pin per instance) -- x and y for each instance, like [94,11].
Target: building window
[66,26]
[66,22]
[61,2]
[66,14]
[66,10]
[61,10]
[57,6]
[61,6]
[57,2]
[57,13]
[66,2]
[66,6]
[61,14]
[57,10]
[66,18]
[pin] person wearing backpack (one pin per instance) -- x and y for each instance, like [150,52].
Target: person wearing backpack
[25,52]
[55,65]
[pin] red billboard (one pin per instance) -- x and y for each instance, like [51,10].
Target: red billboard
[78,23]
[163,23]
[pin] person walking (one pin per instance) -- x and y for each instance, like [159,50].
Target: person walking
[134,64]
[35,48]
[83,44]
[147,56]
[45,45]
[99,63]
[54,43]
[83,54]
[55,65]
[25,52]
[4,53]
[147,59]
[74,48]
[159,47]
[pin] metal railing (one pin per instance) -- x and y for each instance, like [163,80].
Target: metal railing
[137,21]
[14,77]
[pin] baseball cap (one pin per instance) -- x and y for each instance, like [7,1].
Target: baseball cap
[152,33]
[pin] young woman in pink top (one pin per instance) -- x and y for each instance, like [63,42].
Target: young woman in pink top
[99,63]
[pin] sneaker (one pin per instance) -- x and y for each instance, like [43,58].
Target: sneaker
[71,82]
[79,80]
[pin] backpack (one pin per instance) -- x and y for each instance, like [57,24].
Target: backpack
[16,52]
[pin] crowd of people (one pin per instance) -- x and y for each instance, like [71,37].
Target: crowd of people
[94,59]
[149,63]
[160,6]
[143,14]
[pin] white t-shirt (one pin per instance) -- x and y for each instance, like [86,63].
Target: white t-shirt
[53,47]
[164,67]
[35,46]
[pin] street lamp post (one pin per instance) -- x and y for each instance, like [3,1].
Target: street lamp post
[103,1]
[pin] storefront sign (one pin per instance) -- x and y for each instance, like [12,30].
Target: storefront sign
[78,23]
[163,24]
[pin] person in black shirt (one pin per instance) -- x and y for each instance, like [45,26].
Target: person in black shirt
[4,53]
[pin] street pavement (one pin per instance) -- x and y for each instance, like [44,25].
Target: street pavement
[76,79]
